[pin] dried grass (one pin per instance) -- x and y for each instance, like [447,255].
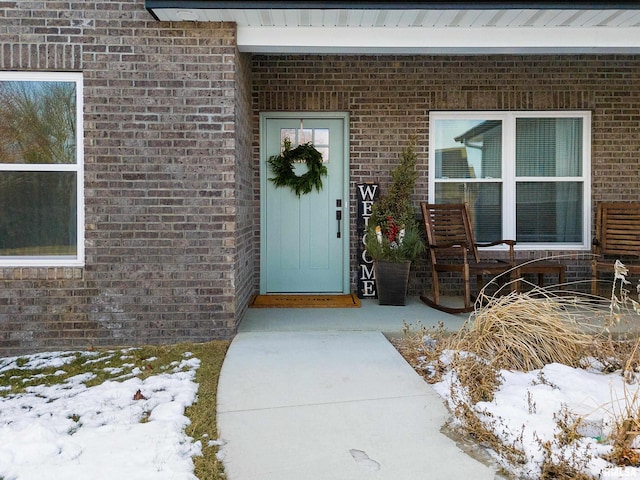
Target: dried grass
[479,377]
[627,419]
[422,348]
[203,412]
[484,433]
[524,332]
[562,470]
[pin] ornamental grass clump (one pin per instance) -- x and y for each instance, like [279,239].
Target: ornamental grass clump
[521,332]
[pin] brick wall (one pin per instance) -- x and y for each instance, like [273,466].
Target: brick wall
[171,157]
[389,99]
[246,190]
[161,190]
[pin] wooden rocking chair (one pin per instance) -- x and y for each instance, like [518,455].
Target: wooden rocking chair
[452,248]
[617,238]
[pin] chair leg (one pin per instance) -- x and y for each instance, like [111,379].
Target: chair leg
[436,287]
[435,302]
[516,280]
[467,287]
[594,278]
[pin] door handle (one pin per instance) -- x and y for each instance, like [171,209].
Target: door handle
[339,215]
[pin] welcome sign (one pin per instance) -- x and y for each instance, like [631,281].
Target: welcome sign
[366,194]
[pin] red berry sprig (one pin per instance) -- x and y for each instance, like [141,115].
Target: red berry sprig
[392,230]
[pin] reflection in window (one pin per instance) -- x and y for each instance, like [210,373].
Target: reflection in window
[39,122]
[521,173]
[485,205]
[319,137]
[471,149]
[39,214]
[40,169]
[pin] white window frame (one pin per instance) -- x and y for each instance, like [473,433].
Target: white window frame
[509,178]
[76,260]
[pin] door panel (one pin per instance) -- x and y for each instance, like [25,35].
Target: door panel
[301,250]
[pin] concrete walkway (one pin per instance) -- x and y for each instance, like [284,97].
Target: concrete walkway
[332,404]
[369,317]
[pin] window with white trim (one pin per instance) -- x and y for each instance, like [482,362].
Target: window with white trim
[524,175]
[41,169]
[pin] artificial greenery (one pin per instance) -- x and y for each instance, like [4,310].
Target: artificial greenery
[388,250]
[285,176]
[399,238]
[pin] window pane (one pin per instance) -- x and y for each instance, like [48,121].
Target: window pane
[485,205]
[38,122]
[549,212]
[321,142]
[468,148]
[39,213]
[539,197]
[549,147]
[305,135]
[288,134]
[321,136]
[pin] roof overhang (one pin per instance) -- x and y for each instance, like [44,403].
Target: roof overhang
[378,27]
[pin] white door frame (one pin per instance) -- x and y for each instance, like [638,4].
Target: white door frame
[264,175]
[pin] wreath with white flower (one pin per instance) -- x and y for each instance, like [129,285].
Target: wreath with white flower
[285,176]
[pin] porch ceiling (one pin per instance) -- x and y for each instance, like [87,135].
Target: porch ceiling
[378,27]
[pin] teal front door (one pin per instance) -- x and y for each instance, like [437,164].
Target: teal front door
[304,240]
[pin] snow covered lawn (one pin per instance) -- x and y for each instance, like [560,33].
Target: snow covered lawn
[540,380]
[558,414]
[116,420]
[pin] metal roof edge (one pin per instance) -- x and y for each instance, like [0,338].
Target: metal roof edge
[150,5]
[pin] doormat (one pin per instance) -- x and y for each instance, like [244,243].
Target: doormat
[304,301]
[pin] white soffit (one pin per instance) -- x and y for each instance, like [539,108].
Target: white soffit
[450,31]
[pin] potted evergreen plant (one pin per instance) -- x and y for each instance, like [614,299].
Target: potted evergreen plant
[393,238]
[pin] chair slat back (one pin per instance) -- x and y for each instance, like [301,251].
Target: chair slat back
[448,224]
[618,229]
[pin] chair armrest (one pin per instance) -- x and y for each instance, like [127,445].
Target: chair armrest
[511,243]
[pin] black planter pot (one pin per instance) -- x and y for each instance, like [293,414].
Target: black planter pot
[392,279]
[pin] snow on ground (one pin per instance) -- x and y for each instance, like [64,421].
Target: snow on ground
[527,408]
[72,431]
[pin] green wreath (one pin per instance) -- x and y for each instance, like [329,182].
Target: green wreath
[282,166]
